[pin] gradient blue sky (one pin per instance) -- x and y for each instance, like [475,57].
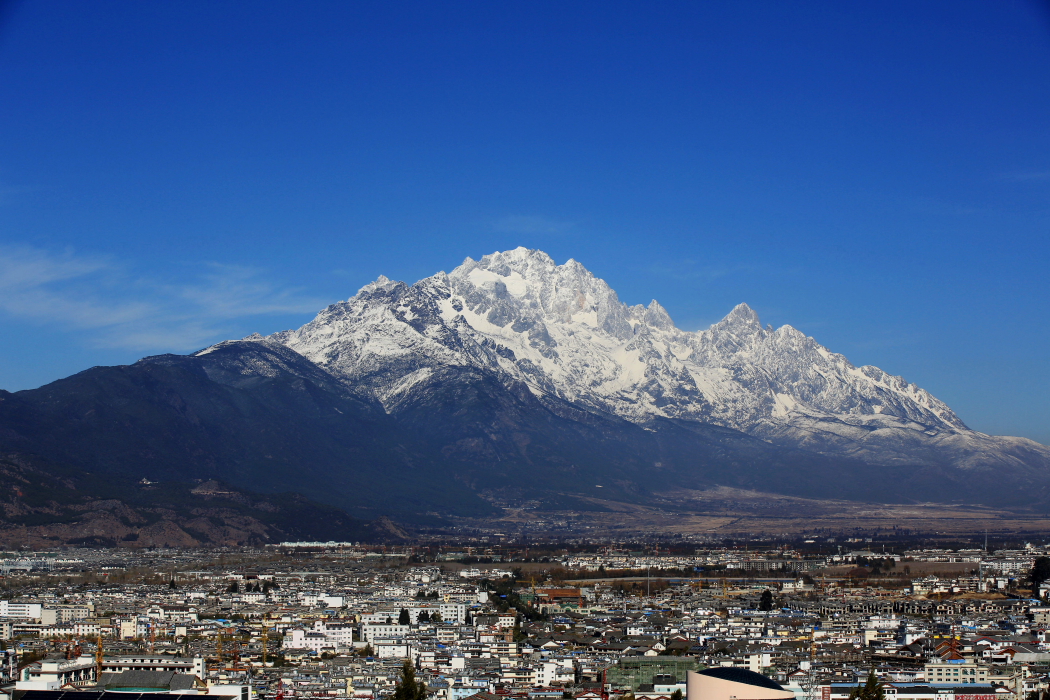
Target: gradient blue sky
[875,174]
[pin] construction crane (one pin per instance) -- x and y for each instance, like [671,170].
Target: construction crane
[98,657]
[809,682]
[605,686]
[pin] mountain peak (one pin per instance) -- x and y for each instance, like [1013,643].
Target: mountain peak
[741,319]
[382,282]
[520,259]
[525,262]
[564,332]
[656,316]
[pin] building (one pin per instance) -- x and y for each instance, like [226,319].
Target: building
[373,632]
[155,662]
[21,611]
[730,683]
[150,682]
[633,672]
[304,639]
[956,672]
[56,674]
[58,616]
[390,648]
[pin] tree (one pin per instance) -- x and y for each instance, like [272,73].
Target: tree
[436,617]
[172,585]
[233,588]
[677,694]
[424,616]
[402,617]
[1040,571]
[408,688]
[766,602]
[871,690]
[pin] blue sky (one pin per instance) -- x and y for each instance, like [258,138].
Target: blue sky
[875,174]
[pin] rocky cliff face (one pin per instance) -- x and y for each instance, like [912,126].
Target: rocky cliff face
[564,334]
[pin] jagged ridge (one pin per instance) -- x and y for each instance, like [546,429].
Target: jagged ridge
[565,335]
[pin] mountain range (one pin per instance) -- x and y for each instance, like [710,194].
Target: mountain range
[513,379]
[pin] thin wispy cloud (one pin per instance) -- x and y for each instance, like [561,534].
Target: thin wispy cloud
[532,225]
[235,291]
[20,266]
[118,309]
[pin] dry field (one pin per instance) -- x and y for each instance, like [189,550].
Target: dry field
[733,512]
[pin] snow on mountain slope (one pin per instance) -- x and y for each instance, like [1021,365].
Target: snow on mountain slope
[564,333]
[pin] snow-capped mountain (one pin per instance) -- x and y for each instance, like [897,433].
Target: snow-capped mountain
[514,381]
[564,334]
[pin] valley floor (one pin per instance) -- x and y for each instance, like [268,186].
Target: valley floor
[732,513]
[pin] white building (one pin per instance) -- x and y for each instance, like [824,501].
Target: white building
[390,648]
[339,633]
[55,674]
[372,632]
[551,673]
[21,611]
[302,639]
